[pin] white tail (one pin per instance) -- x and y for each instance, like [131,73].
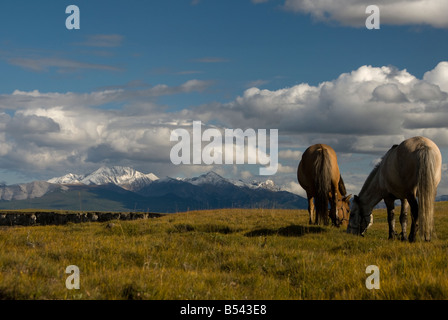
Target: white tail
[322,176]
[426,192]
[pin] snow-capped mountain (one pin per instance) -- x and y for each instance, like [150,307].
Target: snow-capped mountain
[133,180]
[212,178]
[69,178]
[208,178]
[123,188]
[210,190]
[268,184]
[125,177]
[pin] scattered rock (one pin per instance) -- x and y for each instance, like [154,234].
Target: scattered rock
[16,218]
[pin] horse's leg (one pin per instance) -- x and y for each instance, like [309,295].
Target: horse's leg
[334,204]
[311,210]
[404,219]
[414,215]
[391,216]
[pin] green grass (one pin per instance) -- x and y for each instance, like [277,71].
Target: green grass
[221,254]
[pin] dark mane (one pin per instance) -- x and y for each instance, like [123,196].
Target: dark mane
[375,169]
[371,176]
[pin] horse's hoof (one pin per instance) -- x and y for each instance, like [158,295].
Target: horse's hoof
[393,236]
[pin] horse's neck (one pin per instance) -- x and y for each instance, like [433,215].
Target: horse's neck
[371,193]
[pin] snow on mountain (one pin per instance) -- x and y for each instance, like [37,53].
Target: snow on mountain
[69,178]
[208,178]
[143,191]
[213,178]
[117,175]
[125,177]
[268,184]
[133,180]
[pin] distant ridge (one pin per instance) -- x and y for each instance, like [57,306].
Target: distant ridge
[126,189]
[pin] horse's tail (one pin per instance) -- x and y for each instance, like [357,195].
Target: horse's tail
[426,192]
[322,182]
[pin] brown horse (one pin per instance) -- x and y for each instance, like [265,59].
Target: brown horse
[318,173]
[407,171]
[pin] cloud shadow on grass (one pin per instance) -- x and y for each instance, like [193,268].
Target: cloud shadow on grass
[289,231]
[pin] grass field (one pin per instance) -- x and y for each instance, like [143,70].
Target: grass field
[221,254]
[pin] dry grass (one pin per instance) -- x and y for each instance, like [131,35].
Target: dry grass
[220,254]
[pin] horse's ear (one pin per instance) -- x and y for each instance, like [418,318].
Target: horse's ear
[347,198]
[356,199]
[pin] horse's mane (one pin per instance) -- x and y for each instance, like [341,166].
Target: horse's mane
[375,169]
[371,176]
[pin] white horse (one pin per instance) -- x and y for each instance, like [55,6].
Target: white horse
[409,171]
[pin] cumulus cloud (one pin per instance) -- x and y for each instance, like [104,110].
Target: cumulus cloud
[389,93]
[438,76]
[35,99]
[393,12]
[365,110]
[53,132]
[290,154]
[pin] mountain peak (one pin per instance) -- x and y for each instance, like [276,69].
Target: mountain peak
[69,178]
[125,177]
[210,177]
[268,184]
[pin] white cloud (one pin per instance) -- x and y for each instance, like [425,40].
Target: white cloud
[290,154]
[294,187]
[286,169]
[366,110]
[47,132]
[245,175]
[392,12]
[438,76]
[35,99]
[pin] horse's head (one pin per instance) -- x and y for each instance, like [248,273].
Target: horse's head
[343,211]
[359,220]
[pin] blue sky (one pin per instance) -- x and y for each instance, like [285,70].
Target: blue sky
[109,93]
[233,42]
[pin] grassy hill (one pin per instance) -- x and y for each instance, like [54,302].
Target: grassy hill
[221,254]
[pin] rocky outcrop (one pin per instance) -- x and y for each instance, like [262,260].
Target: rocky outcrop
[56,218]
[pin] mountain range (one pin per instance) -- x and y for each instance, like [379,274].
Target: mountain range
[126,189]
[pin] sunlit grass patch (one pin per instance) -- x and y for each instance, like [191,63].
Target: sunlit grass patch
[220,254]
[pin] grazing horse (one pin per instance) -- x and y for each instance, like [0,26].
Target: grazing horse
[318,173]
[409,171]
